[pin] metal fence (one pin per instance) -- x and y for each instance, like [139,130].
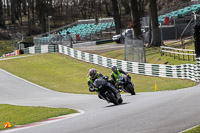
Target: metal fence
[134,50]
[68,40]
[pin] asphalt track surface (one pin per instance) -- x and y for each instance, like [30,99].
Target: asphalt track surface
[150,112]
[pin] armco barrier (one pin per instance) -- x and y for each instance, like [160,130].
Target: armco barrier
[185,71]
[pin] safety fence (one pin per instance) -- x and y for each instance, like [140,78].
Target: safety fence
[184,71]
[179,53]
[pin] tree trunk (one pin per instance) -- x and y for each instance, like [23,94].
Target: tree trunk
[32,11]
[29,23]
[24,6]
[155,31]
[136,19]
[13,7]
[107,8]
[117,18]
[125,3]
[41,10]
[8,8]
[2,21]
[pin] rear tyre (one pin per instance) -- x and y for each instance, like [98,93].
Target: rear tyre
[130,89]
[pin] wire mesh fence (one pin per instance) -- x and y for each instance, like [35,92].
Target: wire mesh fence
[134,50]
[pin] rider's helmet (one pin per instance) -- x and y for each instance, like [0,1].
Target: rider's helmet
[93,73]
[114,69]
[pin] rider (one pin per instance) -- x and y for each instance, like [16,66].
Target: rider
[116,73]
[92,75]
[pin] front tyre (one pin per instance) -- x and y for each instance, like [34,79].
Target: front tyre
[120,100]
[130,89]
[112,98]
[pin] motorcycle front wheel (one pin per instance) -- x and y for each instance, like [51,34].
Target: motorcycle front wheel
[130,89]
[112,99]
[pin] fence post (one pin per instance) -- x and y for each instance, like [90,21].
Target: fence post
[161,53]
[178,55]
[192,56]
[188,56]
[183,55]
[197,51]
[197,69]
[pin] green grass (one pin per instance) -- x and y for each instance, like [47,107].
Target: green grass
[21,115]
[61,73]
[194,130]
[5,47]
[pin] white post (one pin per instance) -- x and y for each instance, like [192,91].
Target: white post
[161,32]
[49,17]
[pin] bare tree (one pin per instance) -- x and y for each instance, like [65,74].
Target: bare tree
[24,6]
[155,39]
[2,22]
[116,16]
[41,12]
[29,21]
[125,3]
[136,19]
[13,11]
[33,10]
[8,7]
[107,6]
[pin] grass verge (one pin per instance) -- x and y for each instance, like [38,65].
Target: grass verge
[59,72]
[5,47]
[193,130]
[21,115]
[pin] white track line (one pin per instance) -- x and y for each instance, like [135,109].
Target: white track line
[15,57]
[25,80]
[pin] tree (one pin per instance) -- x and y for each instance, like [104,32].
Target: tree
[2,22]
[116,16]
[155,35]
[107,6]
[8,8]
[136,19]
[13,11]
[41,12]
[125,3]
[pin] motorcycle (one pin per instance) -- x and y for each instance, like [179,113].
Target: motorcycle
[125,84]
[106,91]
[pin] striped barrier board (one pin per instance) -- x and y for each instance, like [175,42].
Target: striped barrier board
[41,49]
